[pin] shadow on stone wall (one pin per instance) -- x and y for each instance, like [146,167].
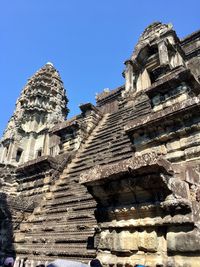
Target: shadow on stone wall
[6,228]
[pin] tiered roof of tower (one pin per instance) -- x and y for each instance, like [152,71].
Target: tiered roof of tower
[43,95]
[41,105]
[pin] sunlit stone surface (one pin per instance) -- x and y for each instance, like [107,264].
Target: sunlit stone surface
[121,180]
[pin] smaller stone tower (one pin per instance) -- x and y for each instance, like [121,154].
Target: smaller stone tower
[157,52]
[40,106]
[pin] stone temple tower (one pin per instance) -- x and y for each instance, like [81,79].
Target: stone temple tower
[41,105]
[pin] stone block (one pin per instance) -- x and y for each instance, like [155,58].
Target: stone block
[148,241]
[173,145]
[176,155]
[25,227]
[106,240]
[121,242]
[19,238]
[126,241]
[184,261]
[183,241]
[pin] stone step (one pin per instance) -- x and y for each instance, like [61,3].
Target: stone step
[77,225]
[66,234]
[82,190]
[107,130]
[70,200]
[61,225]
[42,259]
[104,136]
[113,136]
[102,144]
[120,157]
[103,158]
[63,207]
[87,155]
[78,249]
[78,170]
[66,229]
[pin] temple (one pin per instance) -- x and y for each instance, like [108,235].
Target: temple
[121,180]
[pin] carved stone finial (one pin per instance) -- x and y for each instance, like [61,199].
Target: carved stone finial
[50,64]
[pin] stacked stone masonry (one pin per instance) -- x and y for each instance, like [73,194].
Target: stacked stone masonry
[121,180]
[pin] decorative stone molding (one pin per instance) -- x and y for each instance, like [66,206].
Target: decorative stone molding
[134,164]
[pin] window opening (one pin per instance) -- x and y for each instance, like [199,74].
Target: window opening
[18,154]
[39,153]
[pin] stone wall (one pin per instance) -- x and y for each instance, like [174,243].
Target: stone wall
[148,206]
[120,181]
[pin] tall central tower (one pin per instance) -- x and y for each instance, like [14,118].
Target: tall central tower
[41,105]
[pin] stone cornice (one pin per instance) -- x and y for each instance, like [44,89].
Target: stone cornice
[157,117]
[137,164]
[37,165]
[177,75]
[66,126]
[88,106]
[190,37]
[105,97]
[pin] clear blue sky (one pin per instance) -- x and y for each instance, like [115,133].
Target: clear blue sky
[87,40]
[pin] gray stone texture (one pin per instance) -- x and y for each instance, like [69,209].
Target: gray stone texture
[121,180]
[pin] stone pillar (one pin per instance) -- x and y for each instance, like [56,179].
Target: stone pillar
[17,262]
[10,154]
[163,53]
[21,263]
[129,78]
[32,263]
[176,60]
[143,80]
[3,153]
[28,263]
[46,144]
[30,148]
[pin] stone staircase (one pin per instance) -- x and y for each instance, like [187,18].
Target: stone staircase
[63,226]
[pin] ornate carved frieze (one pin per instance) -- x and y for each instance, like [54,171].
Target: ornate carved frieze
[134,164]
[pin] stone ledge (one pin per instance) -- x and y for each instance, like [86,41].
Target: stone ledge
[184,241]
[65,126]
[190,37]
[157,117]
[141,164]
[105,97]
[42,163]
[173,79]
[88,106]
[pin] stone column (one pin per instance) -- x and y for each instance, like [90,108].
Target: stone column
[10,154]
[28,263]
[163,53]
[33,263]
[129,78]
[21,263]
[3,153]
[46,144]
[30,148]
[17,262]
[143,80]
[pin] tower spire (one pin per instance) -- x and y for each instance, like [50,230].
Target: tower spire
[42,103]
